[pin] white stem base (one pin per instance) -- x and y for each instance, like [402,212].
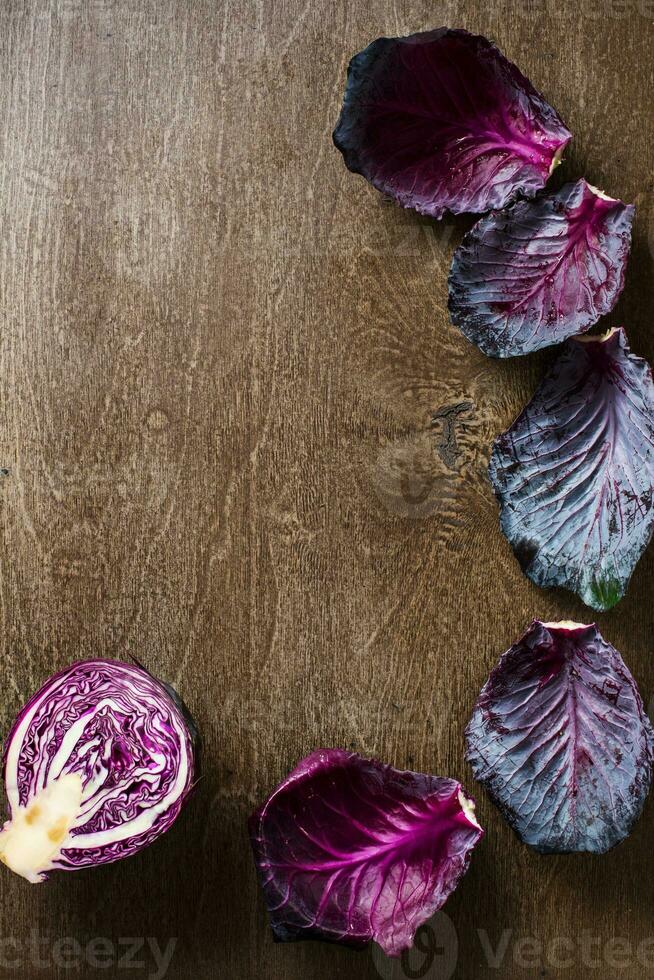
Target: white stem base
[33,839]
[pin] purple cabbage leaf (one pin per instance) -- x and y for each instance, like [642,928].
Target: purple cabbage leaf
[97,765]
[349,850]
[443,121]
[540,271]
[561,741]
[574,474]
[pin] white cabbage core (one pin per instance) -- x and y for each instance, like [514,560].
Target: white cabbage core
[601,338]
[556,159]
[598,193]
[468,808]
[34,838]
[567,624]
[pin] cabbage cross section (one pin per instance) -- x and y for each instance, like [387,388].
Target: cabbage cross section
[98,764]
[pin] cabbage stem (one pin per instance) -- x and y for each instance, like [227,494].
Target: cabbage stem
[35,835]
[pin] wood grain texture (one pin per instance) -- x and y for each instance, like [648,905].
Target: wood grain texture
[222,356]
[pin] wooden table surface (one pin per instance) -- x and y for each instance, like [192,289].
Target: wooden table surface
[221,355]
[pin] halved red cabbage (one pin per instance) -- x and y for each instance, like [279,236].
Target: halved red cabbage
[349,850]
[575,472]
[97,765]
[442,121]
[540,271]
[560,739]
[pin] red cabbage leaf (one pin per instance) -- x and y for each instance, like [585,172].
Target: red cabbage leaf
[575,472]
[540,271]
[560,739]
[442,121]
[349,850]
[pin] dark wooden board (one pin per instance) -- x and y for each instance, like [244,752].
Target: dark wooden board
[220,357]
